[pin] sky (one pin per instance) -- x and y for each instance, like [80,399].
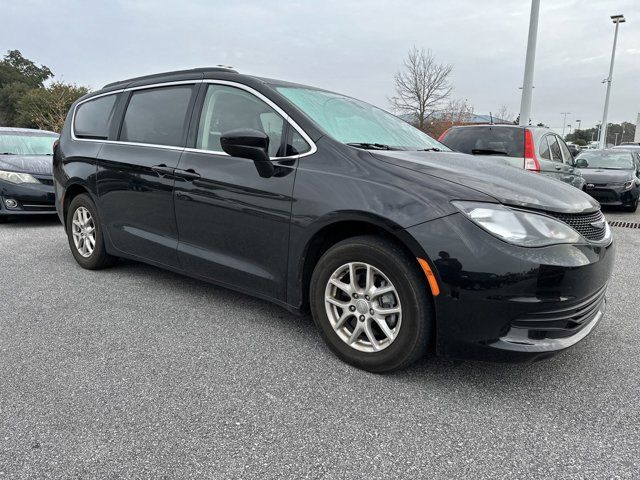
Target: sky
[348,46]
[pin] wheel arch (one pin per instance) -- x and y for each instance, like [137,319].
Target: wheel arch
[336,229]
[70,193]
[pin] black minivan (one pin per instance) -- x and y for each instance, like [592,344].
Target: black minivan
[319,202]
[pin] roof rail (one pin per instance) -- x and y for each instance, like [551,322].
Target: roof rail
[217,68]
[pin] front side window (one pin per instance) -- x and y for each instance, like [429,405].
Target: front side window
[93,118]
[18,143]
[157,116]
[228,108]
[351,121]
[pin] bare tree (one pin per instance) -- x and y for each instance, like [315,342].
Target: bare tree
[422,86]
[457,111]
[504,113]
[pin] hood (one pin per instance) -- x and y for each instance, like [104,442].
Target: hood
[602,175]
[34,164]
[508,185]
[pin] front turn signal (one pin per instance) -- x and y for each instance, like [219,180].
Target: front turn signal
[431,278]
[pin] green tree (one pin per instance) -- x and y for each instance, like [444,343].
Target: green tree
[18,75]
[47,108]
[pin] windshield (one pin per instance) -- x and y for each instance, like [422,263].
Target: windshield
[351,121]
[16,143]
[607,160]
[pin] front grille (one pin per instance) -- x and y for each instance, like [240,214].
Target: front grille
[584,223]
[565,320]
[45,180]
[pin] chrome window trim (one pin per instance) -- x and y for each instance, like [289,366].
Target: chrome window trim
[313,148]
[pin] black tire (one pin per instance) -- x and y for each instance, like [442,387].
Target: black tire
[403,271]
[99,258]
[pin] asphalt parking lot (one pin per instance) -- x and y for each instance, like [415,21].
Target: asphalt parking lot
[136,372]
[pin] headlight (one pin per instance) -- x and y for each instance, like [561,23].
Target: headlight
[15,177]
[629,184]
[518,227]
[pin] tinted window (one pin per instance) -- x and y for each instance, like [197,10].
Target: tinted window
[92,118]
[228,108]
[556,154]
[487,140]
[157,116]
[544,148]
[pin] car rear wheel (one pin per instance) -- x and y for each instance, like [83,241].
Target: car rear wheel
[369,300]
[85,234]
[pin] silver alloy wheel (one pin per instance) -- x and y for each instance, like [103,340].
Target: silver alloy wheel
[83,231]
[363,307]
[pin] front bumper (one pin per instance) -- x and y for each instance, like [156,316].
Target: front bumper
[506,303]
[30,198]
[613,195]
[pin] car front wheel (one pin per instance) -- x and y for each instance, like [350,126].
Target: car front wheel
[370,302]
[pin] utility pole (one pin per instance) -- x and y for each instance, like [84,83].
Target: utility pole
[617,19]
[527,84]
[564,121]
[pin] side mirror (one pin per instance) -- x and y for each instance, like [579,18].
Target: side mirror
[251,144]
[581,163]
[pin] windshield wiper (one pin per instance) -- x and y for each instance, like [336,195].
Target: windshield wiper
[483,151]
[370,146]
[430,149]
[8,153]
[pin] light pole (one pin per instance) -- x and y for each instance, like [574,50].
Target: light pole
[615,142]
[564,121]
[617,19]
[527,83]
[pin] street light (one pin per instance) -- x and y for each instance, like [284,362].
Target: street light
[564,120]
[617,19]
[527,83]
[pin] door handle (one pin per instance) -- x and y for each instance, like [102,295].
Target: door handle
[189,174]
[162,169]
[558,167]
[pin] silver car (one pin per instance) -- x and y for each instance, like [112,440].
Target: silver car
[537,149]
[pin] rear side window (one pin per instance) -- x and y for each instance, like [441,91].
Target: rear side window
[556,153]
[544,148]
[92,118]
[157,116]
[486,140]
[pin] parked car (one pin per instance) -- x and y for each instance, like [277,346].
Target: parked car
[612,176]
[633,147]
[573,149]
[323,203]
[26,178]
[536,149]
